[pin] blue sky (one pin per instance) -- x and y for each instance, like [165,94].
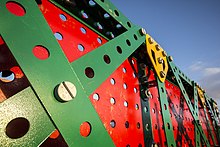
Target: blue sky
[189,30]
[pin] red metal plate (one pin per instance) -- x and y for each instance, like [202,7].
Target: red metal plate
[117,101]
[74,37]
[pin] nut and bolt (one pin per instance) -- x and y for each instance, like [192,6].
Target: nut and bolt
[150,40]
[164,53]
[170,58]
[148,94]
[65,91]
[160,60]
[158,47]
[162,74]
[143,31]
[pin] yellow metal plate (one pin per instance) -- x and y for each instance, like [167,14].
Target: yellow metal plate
[201,95]
[158,57]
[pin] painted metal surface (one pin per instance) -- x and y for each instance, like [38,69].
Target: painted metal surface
[84,72]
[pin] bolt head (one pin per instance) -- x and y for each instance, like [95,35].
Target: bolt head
[150,40]
[162,74]
[143,31]
[170,58]
[65,91]
[158,48]
[160,60]
[164,53]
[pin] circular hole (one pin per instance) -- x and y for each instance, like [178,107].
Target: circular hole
[63,17]
[125,86]
[102,1]
[165,107]
[116,13]
[40,52]
[55,134]
[132,61]
[136,106]
[139,145]
[112,123]
[125,103]
[153,110]
[124,70]
[96,96]
[112,101]
[58,36]
[128,42]
[112,80]
[83,30]
[89,72]
[135,90]
[81,47]
[135,37]
[92,3]
[15,8]
[118,26]
[145,109]
[106,15]
[129,24]
[106,59]
[147,127]
[99,26]
[85,129]
[99,40]
[126,124]
[7,76]
[110,34]
[84,15]
[17,127]
[134,75]
[168,125]
[138,125]
[155,126]
[119,49]
[127,145]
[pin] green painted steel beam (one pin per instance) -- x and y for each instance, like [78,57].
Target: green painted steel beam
[145,105]
[115,13]
[22,34]
[196,109]
[168,127]
[26,105]
[183,91]
[96,58]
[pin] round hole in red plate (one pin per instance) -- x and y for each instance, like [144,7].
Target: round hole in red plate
[41,52]
[55,134]
[85,129]
[15,8]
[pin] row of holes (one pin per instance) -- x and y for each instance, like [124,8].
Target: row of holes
[89,72]
[127,124]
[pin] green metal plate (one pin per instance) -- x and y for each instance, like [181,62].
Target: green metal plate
[22,34]
[26,105]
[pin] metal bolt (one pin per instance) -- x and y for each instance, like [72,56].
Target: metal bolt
[162,74]
[65,91]
[160,60]
[158,47]
[154,145]
[164,53]
[150,40]
[143,31]
[148,94]
[170,58]
[143,66]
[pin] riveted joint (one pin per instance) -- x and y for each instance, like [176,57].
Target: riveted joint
[158,48]
[143,31]
[148,94]
[164,53]
[162,74]
[65,91]
[160,60]
[170,58]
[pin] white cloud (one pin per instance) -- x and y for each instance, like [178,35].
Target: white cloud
[209,79]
